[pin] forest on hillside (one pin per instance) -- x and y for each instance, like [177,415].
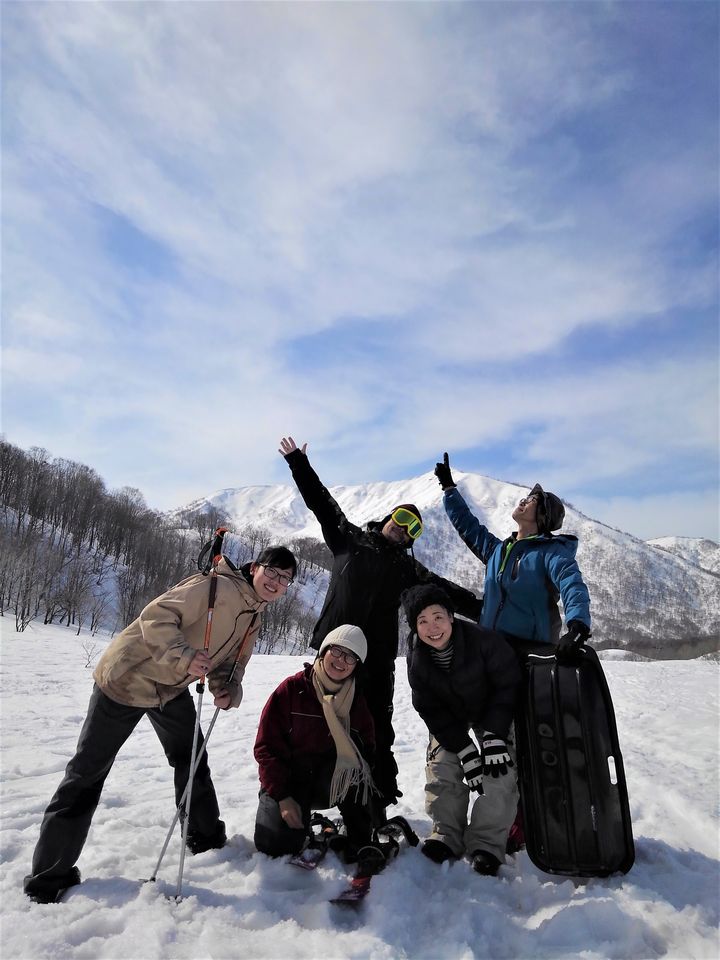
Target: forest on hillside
[73,552]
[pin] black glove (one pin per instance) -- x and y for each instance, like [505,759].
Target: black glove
[472,767]
[577,633]
[496,759]
[442,472]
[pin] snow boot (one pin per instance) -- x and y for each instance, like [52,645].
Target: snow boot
[200,842]
[485,863]
[437,851]
[51,890]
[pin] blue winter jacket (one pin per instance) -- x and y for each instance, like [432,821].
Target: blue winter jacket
[522,599]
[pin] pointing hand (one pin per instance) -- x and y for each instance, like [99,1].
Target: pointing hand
[442,472]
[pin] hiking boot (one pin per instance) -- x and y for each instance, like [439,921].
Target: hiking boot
[437,851]
[200,842]
[50,891]
[485,863]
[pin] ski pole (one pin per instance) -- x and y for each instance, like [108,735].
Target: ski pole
[179,807]
[193,771]
[199,758]
[216,555]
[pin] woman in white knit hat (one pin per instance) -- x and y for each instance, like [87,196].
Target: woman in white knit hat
[315,747]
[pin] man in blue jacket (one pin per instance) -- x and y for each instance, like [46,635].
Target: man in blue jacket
[526,573]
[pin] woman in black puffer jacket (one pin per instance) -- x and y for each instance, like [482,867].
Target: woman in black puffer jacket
[464,681]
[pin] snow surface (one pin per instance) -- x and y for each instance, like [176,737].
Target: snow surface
[240,904]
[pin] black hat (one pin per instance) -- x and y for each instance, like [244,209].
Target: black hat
[415,599]
[550,510]
[408,506]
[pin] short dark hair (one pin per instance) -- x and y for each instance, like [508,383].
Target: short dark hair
[415,599]
[278,557]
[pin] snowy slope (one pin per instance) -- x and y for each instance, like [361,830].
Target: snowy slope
[240,904]
[705,553]
[656,601]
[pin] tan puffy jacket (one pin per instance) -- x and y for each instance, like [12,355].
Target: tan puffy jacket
[147,664]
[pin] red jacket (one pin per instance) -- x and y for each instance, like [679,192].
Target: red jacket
[293,739]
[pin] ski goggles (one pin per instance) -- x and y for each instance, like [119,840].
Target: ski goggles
[408,520]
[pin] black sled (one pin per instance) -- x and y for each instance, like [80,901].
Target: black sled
[572,779]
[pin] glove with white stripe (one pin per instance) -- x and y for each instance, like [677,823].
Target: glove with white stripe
[496,758]
[472,767]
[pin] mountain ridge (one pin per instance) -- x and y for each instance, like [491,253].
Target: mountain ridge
[645,596]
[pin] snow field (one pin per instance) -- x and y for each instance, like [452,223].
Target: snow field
[238,903]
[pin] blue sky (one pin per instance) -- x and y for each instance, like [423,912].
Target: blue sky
[389,229]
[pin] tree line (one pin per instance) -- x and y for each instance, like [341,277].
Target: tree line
[73,552]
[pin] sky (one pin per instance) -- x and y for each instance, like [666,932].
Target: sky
[387,229]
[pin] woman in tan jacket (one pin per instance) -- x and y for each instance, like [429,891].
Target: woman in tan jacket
[146,670]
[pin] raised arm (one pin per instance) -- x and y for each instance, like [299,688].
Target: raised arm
[333,522]
[473,534]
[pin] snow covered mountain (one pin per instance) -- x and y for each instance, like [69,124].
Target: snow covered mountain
[704,553]
[653,598]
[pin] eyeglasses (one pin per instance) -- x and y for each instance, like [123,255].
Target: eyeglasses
[524,500]
[340,654]
[406,518]
[272,574]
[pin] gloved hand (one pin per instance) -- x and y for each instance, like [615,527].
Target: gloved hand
[442,472]
[577,633]
[472,767]
[496,758]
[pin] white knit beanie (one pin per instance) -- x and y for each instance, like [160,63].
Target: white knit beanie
[349,637]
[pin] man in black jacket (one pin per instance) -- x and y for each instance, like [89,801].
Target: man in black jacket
[371,568]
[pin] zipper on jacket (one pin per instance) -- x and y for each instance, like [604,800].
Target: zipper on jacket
[500,606]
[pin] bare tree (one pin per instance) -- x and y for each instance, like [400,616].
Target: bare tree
[90,649]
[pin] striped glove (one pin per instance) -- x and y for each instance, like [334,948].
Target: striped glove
[472,767]
[496,759]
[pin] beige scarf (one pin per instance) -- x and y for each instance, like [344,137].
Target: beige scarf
[351,770]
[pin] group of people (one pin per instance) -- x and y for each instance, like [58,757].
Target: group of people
[325,736]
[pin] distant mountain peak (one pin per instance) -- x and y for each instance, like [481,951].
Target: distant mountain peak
[656,597]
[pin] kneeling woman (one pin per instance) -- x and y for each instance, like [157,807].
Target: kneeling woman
[464,679]
[314,747]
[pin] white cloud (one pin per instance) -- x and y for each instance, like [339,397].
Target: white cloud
[421,167]
[27,368]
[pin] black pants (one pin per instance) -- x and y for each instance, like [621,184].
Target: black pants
[378,690]
[107,726]
[274,837]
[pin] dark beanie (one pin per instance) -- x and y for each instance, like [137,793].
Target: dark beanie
[550,510]
[424,595]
